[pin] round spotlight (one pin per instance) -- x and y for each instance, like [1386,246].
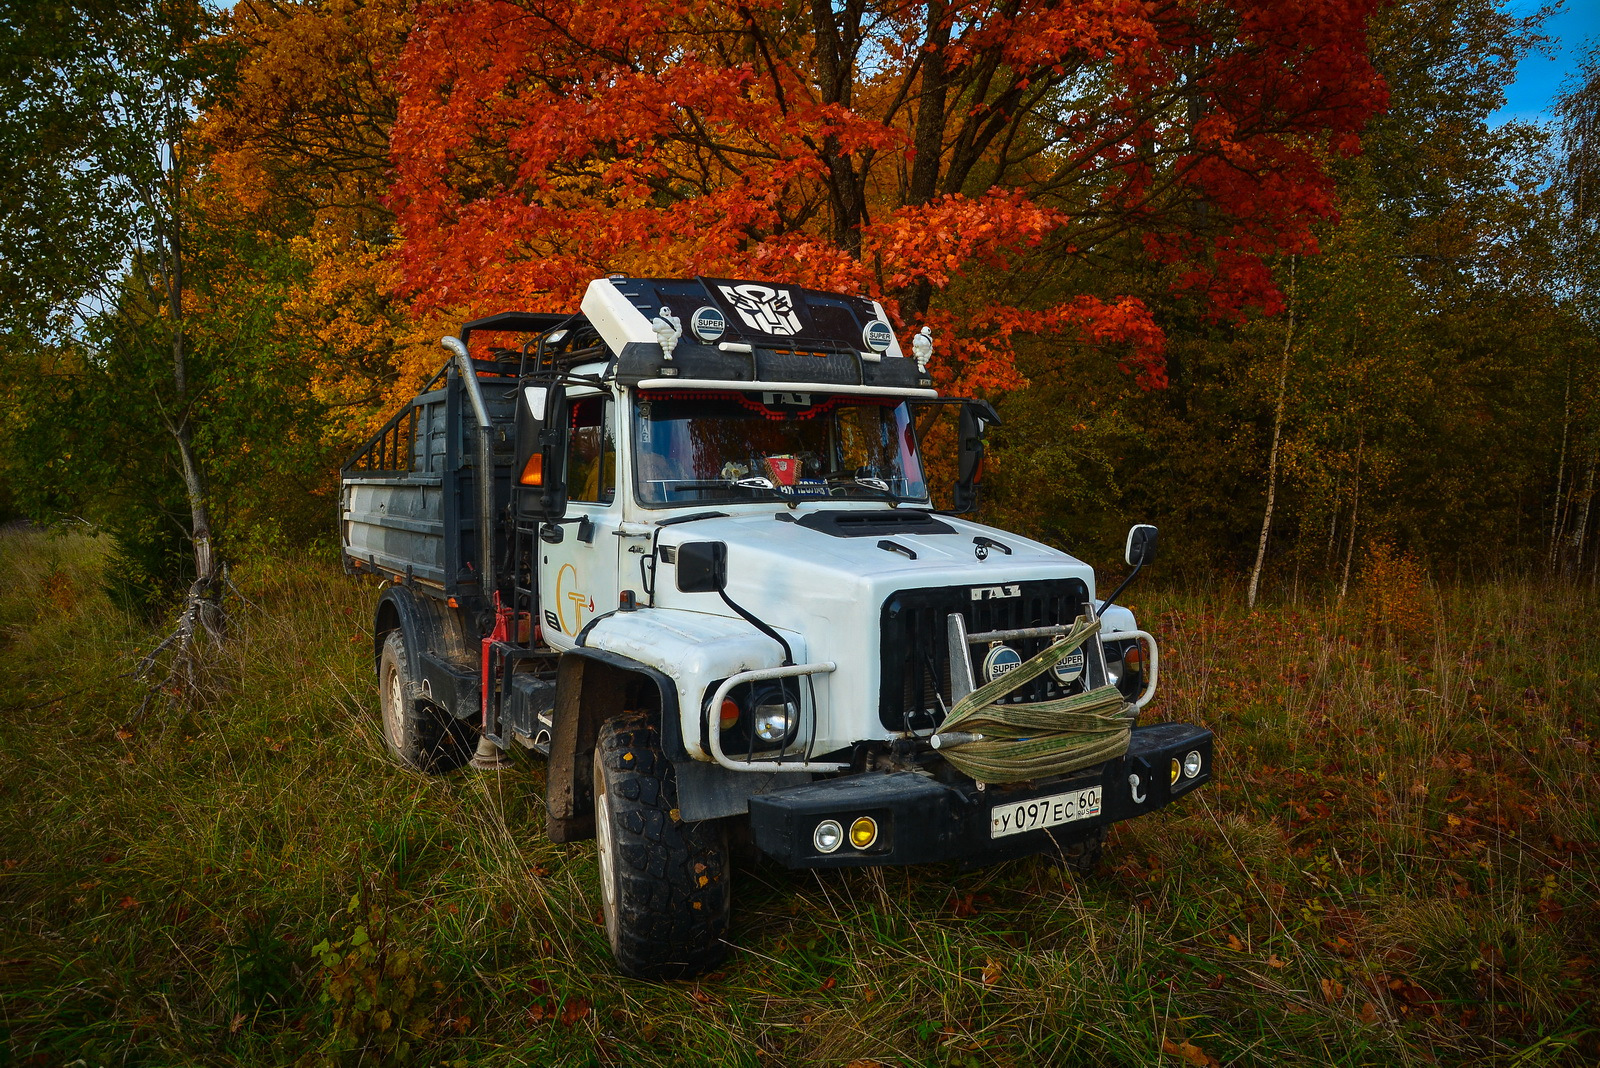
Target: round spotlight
[828,836]
[863,832]
[1177,769]
[1191,763]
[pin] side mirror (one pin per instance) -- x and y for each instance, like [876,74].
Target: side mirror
[1141,547]
[976,417]
[541,457]
[702,567]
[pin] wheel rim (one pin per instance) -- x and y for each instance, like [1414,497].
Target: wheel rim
[602,848]
[393,704]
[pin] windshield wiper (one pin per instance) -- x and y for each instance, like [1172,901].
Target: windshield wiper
[866,482]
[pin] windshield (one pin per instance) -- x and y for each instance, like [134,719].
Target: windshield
[691,448]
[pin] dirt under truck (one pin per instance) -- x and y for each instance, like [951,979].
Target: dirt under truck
[683,545]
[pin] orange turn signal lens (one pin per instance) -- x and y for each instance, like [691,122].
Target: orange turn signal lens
[729,713]
[533,471]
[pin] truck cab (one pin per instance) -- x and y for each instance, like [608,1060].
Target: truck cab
[684,544]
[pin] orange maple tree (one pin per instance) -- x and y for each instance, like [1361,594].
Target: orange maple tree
[916,151]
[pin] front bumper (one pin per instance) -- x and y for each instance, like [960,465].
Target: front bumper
[921,821]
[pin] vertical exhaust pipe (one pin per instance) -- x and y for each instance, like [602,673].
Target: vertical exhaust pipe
[469,378]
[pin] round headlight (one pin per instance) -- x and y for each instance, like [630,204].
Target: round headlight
[775,720]
[863,832]
[828,836]
[1191,763]
[1176,769]
[1113,671]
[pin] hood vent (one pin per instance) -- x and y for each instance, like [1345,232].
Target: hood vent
[840,524]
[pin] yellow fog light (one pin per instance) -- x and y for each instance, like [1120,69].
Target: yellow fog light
[863,832]
[1177,769]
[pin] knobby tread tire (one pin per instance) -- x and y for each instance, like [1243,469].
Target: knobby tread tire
[670,913]
[417,733]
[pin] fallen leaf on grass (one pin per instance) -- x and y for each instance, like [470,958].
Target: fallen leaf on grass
[541,1012]
[574,1010]
[1332,990]
[992,970]
[236,1023]
[1274,962]
[1368,1014]
[1189,1052]
[828,984]
[1234,944]
[128,902]
[864,1064]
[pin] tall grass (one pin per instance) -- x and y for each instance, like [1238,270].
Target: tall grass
[1396,865]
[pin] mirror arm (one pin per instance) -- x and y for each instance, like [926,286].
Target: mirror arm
[788,653]
[1111,600]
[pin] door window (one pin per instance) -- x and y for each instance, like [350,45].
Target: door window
[591,451]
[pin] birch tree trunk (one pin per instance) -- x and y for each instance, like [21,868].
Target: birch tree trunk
[1277,435]
[1561,474]
[1355,512]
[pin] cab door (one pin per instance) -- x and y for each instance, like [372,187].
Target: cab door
[578,557]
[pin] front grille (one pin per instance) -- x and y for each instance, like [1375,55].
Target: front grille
[916,651]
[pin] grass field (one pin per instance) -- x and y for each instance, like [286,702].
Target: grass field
[1397,864]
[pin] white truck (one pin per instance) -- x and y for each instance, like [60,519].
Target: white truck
[682,544]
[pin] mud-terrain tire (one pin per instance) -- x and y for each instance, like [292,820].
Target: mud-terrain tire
[1082,856]
[418,733]
[663,881]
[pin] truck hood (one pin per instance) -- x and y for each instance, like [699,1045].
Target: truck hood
[786,571]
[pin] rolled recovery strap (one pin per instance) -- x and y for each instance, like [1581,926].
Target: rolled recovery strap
[994,742]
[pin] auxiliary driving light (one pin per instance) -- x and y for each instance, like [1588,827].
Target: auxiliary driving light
[1191,763]
[1177,770]
[828,836]
[863,832]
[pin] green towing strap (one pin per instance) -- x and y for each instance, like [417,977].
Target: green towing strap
[1042,738]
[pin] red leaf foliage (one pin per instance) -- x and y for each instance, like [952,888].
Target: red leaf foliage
[915,152]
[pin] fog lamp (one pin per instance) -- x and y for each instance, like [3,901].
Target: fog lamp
[1191,763]
[1177,769]
[863,832]
[828,836]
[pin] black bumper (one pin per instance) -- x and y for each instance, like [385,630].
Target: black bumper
[921,821]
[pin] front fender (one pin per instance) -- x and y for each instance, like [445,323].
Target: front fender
[694,650]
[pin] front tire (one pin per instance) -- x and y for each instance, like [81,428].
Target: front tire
[663,882]
[417,733]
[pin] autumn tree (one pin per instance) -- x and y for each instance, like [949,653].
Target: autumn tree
[888,147]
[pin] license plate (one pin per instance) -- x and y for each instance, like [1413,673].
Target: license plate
[1021,816]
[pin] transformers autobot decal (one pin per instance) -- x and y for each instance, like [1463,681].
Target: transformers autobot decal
[763,308]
